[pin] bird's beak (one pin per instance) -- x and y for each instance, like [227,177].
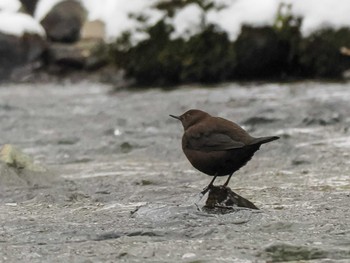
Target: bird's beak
[175,117]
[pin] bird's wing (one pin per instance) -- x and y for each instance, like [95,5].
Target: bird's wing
[212,142]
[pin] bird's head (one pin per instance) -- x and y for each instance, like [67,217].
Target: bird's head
[191,117]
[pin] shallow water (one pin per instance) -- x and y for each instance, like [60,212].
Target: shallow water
[123,190]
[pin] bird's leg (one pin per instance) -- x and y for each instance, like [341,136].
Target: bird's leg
[228,180]
[206,189]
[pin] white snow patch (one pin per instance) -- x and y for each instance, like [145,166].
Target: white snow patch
[10,5]
[116,15]
[187,21]
[19,23]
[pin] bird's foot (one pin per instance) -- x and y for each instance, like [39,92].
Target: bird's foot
[206,189]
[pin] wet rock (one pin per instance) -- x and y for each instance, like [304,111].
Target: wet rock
[82,55]
[322,117]
[20,51]
[64,22]
[77,197]
[68,141]
[222,198]
[301,160]
[285,252]
[11,54]
[188,256]
[107,236]
[282,252]
[126,147]
[259,120]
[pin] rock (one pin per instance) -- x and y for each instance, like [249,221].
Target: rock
[95,29]
[11,54]
[14,157]
[18,170]
[260,120]
[64,22]
[20,51]
[322,117]
[81,55]
[281,252]
[223,199]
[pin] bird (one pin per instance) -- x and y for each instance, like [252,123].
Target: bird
[216,146]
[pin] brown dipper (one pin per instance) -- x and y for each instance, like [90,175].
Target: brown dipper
[216,146]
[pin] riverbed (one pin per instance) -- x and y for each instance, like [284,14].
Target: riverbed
[119,189]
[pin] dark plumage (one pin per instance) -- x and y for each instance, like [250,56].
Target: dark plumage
[216,146]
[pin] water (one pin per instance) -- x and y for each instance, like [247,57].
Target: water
[123,190]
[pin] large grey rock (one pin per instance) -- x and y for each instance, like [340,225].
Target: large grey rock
[18,51]
[81,55]
[64,22]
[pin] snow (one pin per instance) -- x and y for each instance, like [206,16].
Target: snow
[320,13]
[10,5]
[115,14]
[252,12]
[187,21]
[19,23]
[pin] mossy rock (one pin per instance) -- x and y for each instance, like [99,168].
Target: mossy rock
[15,158]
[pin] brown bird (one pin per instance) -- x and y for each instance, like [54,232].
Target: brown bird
[216,146]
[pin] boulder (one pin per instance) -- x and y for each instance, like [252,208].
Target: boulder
[81,55]
[95,29]
[64,22]
[19,51]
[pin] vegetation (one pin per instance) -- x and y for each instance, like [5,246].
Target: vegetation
[278,51]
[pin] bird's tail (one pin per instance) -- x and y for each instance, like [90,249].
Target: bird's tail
[263,140]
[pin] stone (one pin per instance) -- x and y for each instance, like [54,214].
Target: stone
[95,29]
[15,158]
[64,22]
[20,51]
[81,55]
[224,199]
